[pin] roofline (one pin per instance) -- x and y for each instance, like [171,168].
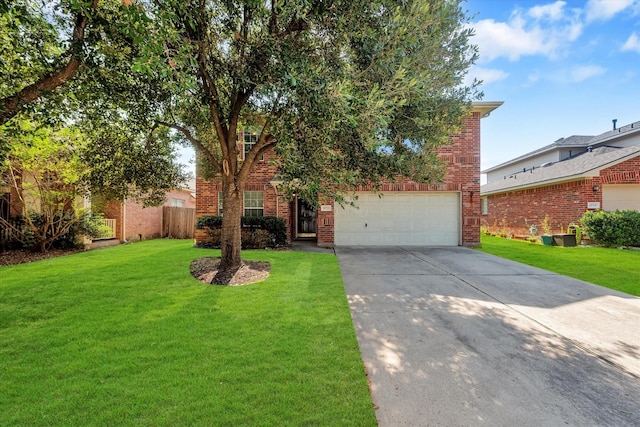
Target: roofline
[485,108]
[631,131]
[586,174]
[539,184]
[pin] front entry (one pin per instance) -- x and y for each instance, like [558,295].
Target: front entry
[306,218]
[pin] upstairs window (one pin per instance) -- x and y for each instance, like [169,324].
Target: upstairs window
[249,139]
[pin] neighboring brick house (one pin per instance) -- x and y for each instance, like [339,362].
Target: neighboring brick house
[134,222]
[407,214]
[129,220]
[563,180]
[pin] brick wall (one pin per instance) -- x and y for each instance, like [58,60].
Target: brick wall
[133,221]
[462,158]
[259,180]
[564,203]
[516,211]
[623,173]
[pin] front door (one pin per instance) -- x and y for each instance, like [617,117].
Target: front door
[306,219]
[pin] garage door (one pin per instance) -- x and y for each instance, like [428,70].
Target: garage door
[621,196]
[400,218]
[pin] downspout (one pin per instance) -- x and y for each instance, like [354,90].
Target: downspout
[124,220]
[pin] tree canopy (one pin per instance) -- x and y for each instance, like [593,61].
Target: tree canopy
[65,63]
[346,92]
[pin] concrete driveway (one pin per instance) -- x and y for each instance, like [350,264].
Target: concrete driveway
[455,337]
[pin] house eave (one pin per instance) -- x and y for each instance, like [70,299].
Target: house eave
[485,108]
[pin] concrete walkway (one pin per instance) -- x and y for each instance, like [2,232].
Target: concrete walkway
[455,337]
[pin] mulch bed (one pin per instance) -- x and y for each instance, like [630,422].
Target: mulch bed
[206,270]
[23,256]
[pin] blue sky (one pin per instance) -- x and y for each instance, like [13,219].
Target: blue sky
[561,67]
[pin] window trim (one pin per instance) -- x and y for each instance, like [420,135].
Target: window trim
[255,208]
[244,142]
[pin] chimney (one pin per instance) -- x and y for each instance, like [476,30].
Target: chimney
[614,123]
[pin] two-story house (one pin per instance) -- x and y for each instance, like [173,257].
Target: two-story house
[563,180]
[407,213]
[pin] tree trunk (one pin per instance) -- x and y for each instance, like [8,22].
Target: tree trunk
[231,243]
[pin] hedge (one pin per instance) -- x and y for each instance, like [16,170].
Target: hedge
[619,228]
[257,231]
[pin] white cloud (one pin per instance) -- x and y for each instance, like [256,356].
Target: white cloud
[603,10]
[553,11]
[584,72]
[542,30]
[632,44]
[508,39]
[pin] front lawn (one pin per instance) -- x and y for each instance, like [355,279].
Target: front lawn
[125,336]
[613,268]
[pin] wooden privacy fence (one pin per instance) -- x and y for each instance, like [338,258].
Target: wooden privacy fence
[178,223]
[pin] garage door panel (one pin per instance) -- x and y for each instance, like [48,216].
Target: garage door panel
[403,218]
[621,197]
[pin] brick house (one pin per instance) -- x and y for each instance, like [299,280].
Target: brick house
[132,221]
[563,180]
[408,213]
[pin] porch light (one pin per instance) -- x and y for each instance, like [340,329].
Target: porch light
[596,187]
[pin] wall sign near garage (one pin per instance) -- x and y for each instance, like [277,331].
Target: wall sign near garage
[593,205]
[325,208]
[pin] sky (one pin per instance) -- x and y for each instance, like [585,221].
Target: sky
[561,68]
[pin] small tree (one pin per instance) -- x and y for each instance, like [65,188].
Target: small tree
[44,170]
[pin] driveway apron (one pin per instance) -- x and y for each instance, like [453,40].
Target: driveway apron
[456,337]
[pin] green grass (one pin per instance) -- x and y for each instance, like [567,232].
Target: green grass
[125,336]
[612,268]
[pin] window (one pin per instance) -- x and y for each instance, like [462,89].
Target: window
[484,205]
[249,139]
[177,203]
[253,203]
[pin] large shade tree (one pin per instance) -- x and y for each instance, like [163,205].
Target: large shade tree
[345,91]
[65,63]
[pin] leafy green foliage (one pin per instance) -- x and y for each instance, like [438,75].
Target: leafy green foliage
[257,232]
[619,228]
[125,161]
[43,168]
[346,92]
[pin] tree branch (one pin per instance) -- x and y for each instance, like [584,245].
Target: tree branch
[13,104]
[196,142]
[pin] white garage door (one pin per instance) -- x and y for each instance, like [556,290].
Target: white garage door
[400,218]
[621,196]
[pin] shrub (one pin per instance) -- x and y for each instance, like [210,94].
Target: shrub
[619,228]
[257,231]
